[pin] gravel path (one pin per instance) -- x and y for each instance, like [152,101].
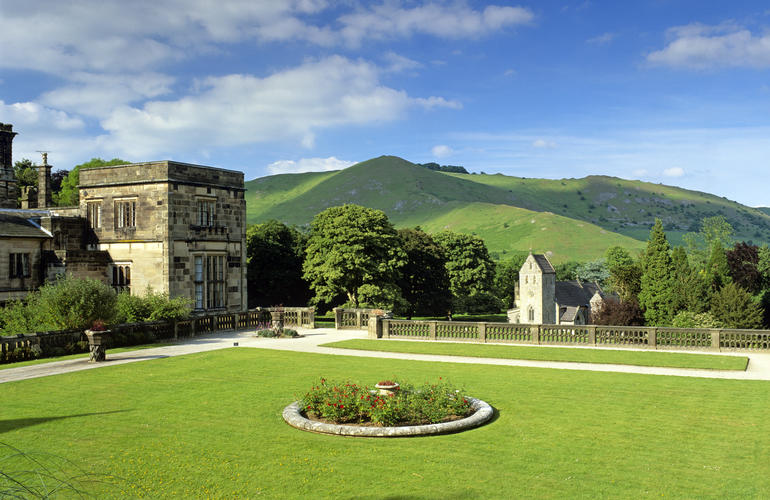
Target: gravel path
[758,369]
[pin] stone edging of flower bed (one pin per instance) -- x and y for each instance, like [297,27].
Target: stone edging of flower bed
[294,417]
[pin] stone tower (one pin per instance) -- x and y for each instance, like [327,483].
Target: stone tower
[537,285]
[8,185]
[44,199]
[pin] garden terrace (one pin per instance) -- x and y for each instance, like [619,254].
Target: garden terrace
[556,433]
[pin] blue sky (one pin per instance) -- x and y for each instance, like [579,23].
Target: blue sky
[670,91]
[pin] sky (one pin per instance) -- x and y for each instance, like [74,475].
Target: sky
[667,91]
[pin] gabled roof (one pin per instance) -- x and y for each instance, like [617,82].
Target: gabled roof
[575,293]
[544,264]
[14,225]
[568,313]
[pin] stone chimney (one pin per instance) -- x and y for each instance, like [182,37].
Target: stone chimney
[44,184]
[8,190]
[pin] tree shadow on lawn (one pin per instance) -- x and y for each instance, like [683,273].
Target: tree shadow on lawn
[19,423]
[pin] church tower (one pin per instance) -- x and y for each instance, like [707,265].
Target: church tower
[537,285]
[8,184]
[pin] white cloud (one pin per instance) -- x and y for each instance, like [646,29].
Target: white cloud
[96,95]
[437,102]
[31,116]
[241,109]
[674,172]
[698,46]
[543,144]
[397,63]
[308,165]
[115,36]
[603,39]
[457,20]
[442,151]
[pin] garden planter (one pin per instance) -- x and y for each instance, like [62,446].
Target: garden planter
[277,320]
[386,389]
[97,349]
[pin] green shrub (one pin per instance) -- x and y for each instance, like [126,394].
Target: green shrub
[73,303]
[152,306]
[688,319]
[270,333]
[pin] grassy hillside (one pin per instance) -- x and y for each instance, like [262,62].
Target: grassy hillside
[575,219]
[629,207]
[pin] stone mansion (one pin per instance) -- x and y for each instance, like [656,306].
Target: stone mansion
[543,300]
[175,227]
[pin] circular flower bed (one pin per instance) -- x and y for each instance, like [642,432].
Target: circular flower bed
[355,410]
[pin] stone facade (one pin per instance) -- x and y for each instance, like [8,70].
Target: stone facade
[543,300]
[173,227]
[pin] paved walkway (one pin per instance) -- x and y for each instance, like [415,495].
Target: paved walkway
[758,369]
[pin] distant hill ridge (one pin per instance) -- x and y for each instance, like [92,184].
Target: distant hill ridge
[574,219]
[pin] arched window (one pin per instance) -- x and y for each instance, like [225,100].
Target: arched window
[531,314]
[526,280]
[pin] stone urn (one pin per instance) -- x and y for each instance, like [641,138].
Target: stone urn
[97,348]
[387,388]
[277,321]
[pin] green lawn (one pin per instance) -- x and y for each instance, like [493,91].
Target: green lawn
[540,353]
[209,425]
[79,355]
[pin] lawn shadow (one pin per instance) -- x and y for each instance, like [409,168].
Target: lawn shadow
[19,423]
[122,358]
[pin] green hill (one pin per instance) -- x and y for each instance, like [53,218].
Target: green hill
[575,219]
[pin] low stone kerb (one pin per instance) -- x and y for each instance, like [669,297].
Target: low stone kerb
[293,416]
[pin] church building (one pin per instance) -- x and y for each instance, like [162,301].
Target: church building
[543,300]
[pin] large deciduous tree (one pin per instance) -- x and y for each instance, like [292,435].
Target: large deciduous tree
[506,278]
[274,256]
[424,280]
[657,278]
[354,251]
[471,272]
[743,261]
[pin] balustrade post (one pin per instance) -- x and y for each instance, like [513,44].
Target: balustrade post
[358,318]
[311,321]
[176,329]
[337,318]
[591,334]
[482,332]
[535,334]
[386,328]
[432,330]
[652,337]
[715,339]
[193,324]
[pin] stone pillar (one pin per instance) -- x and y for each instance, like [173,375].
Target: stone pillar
[44,184]
[652,338]
[432,330]
[483,332]
[592,335]
[716,344]
[277,321]
[8,184]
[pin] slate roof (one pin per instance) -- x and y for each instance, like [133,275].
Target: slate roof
[14,224]
[544,264]
[568,313]
[575,293]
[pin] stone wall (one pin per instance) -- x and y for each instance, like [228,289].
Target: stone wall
[18,288]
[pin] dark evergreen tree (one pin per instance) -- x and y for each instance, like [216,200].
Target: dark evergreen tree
[655,295]
[717,270]
[625,273]
[735,308]
[506,277]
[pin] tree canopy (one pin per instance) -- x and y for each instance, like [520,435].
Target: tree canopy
[424,281]
[274,256]
[471,272]
[354,251]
